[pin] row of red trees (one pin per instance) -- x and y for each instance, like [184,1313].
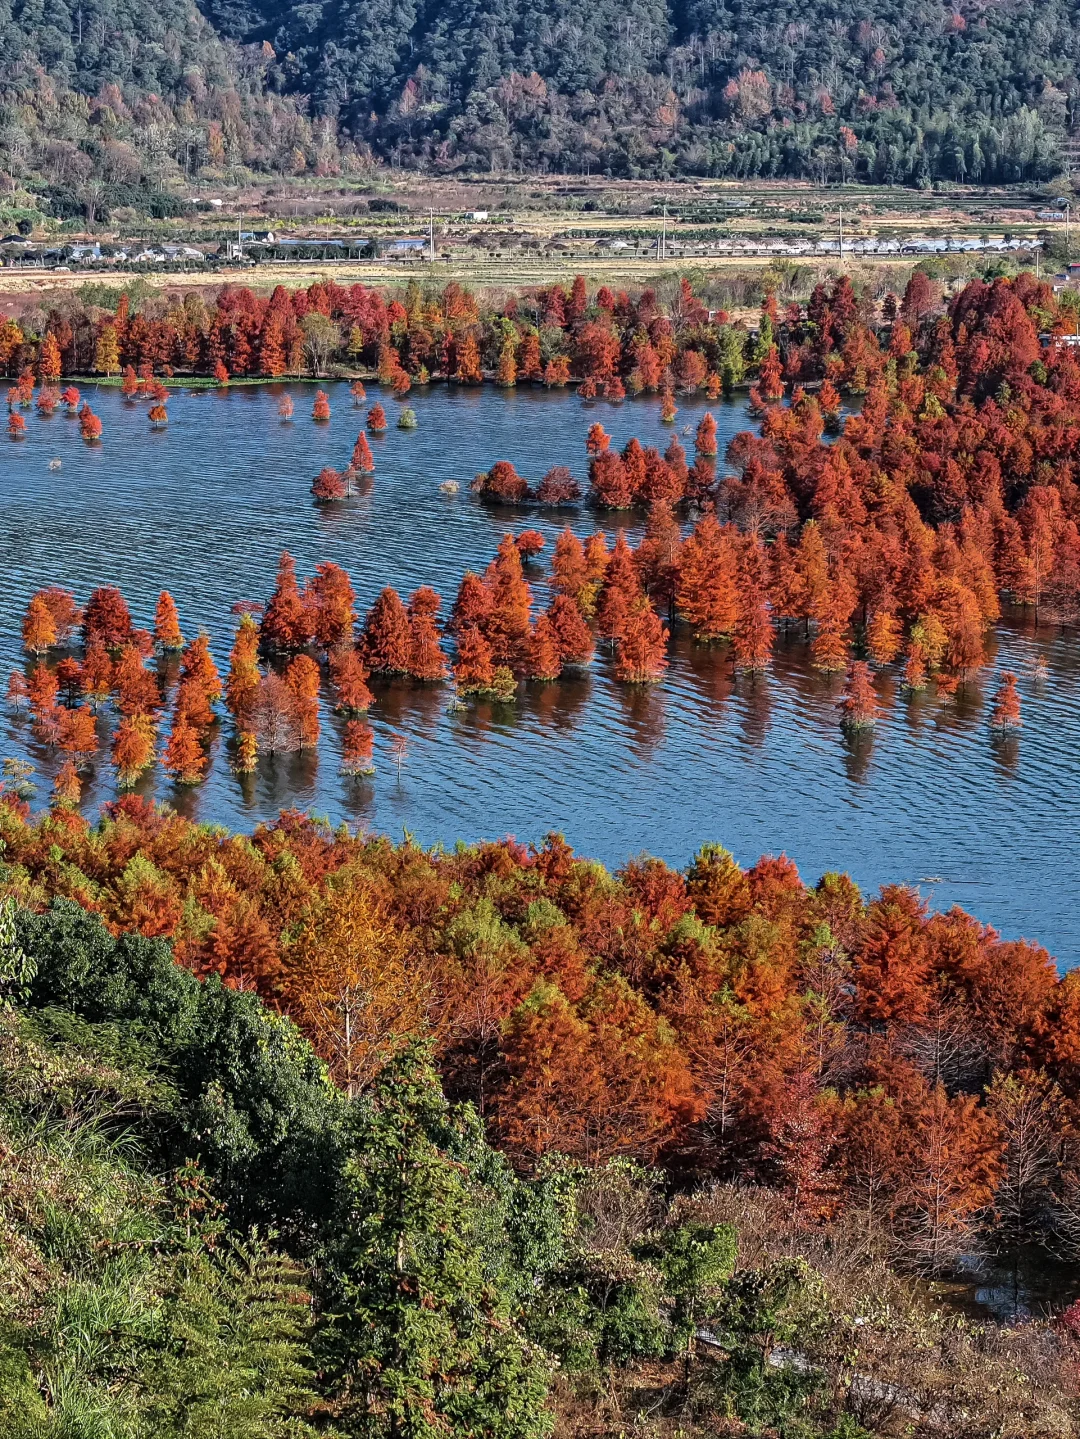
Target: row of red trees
[611,342]
[724,583]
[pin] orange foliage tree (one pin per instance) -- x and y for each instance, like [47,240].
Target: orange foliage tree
[641,651]
[354,982]
[167,623]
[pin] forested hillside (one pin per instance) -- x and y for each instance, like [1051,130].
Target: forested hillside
[122,92]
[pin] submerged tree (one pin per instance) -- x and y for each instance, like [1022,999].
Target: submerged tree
[1005,714]
[641,651]
[167,623]
[858,705]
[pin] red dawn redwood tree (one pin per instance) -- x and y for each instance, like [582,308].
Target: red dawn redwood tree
[598,440]
[501,482]
[183,757]
[572,634]
[706,589]
[328,484]
[705,439]
[242,681]
[302,681]
[753,640]
[362,462]
[508,625]
[357,748]
[472,606]
[38,627]
[49,359]
[529,543]
[558,487]
[197,666]
[610,484]
[1005,714]
[107,618]
[132,750]
[167,623]
[474,670]
[884,635]
[620,590]
[286,624]
[388,635]
[544,652]
[330,602]
[858,706]
[641,652]
[349,677]
[65,612]
[426,659]
[569,571]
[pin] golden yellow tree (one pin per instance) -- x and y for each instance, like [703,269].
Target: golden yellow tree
[356,984]
[107,351]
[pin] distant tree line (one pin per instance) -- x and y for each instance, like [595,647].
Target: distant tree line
[107,109]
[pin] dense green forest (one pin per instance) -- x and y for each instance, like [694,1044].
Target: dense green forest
[107,102]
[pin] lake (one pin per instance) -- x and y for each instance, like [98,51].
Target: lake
[205,507]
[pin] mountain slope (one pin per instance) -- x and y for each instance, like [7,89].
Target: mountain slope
[122,90]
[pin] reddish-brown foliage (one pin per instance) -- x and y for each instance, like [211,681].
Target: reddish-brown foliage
[286,625]
[328,484]
[544,651]
[706,591]
[167,623]
[1005,714]
[858,705]
[388,634]
[183,757]
[705,438]
[362,461]
[357,747]
[529,543]
[330,601]
[474,671]
[558,487]
[501,482]
[641,651]
[572,633]
[38,627]
[107,618]
[349,676]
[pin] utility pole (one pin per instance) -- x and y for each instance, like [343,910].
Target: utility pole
[841,234]
[1068,232]
[431,234]
[663,245]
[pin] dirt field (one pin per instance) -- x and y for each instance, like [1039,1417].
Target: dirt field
[541,229]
